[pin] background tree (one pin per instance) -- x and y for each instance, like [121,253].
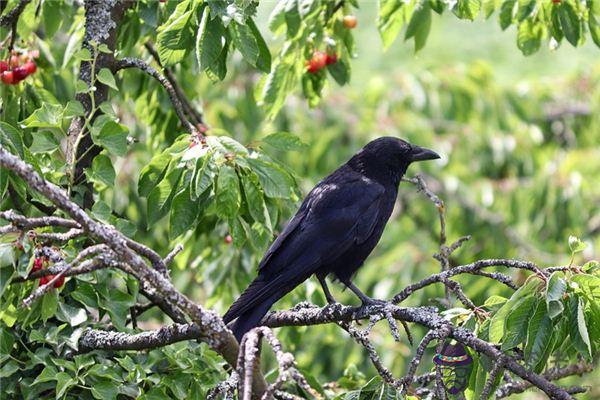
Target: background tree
[151,150]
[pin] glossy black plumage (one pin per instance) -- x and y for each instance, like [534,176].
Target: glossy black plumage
[337,226]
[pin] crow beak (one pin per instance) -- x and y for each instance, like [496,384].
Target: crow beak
[421,154]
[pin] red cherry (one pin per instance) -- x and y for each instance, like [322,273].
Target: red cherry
[37,264]
[311,67]
[60,281]
[319,59]
[228,239]
[350,21]
[30,67]
[331,59]
[45,279]
[19,73]
[3,66]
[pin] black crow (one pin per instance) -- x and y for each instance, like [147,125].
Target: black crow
[336,228]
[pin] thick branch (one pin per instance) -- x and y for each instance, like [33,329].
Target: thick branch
[12,16]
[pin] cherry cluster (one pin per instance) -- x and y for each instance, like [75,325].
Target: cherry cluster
[18,67]
[38,264]
[320,60]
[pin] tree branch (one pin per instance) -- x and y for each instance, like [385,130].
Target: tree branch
[126,63]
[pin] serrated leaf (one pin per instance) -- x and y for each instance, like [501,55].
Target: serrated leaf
[467,9]
[576,245]
[517,322]
[284,141]
[539,334]
[529,37]
[569,22]
[228,193]
[506,13]
[263,62]
[183,213]
[390,20]
[498,321]
[175,36]
[274,181]
[245,41]
[159,199]
[582,327]
[211,46]
[419,25]
[554,294]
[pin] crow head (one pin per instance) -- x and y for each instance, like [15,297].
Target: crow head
[389,157]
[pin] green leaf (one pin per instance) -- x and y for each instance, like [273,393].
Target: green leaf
[11,137]
[103,170]
[183,213]
[506,13]
[228,193]
[175,36]
[554,294]
[292,18]
[274,180]
[525,9]
[7,341]
[284,141]
[539,334]
[106,77]
[467,9]
[153,173]
[202,178]
[49,304]
[159,199]
[113,137]
[63,383]
[529,37]
[569,22]
[419,25]
[73,315]
[517,322]
[498,321]
[211,48]
[594,21]
[43,142]
[576,245]
[582,328]
[281,81]
[47,116]
[245,41]
[277,17]
[105,390]
[255,200]
[51,15]
[74,108]
[263,62]
[390,20]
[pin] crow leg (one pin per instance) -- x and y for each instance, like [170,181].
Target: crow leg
[328,294]
[366,300]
